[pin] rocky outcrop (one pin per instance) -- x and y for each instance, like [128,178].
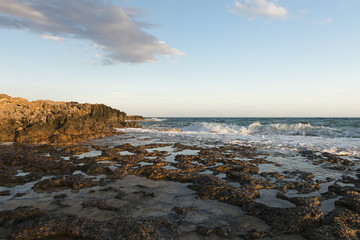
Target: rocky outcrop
[134,118]
[46,121]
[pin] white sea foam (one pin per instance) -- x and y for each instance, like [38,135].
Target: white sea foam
[257,128]
[283,137]
[157,119]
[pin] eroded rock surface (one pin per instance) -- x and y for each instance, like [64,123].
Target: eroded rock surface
[46,121]
[168,191]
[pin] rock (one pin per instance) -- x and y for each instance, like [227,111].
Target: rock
[222,231]
[18,215]
[181,211]
[47,121]
[100,204]
[350,202]
[5,193]
[134,118]
[131,125]
[338,224]
[74,182]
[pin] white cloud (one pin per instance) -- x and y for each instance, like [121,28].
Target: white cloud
[259,8]
[323,22]
[54,38]
[329,20]
[106,24]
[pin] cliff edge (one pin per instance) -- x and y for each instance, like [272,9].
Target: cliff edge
[46,121]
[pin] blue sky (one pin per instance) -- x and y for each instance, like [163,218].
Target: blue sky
[201,58]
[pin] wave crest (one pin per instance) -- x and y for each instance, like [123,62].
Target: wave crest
[256,128]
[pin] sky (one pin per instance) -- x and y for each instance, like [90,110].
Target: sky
[186,58]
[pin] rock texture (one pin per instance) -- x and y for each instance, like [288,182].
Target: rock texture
[134,118]
[46,121]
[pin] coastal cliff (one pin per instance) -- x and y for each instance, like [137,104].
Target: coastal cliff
[45,121]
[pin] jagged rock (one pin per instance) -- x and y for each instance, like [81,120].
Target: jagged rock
[350,202]
[45,121]
[338,224]
[75,182]
[134,118]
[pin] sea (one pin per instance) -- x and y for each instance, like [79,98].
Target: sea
[339,136]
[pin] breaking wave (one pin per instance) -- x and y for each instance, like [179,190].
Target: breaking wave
[157,119]
[256,128]
[293,136]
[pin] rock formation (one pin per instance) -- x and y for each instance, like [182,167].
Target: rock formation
[134,118]
[46,121]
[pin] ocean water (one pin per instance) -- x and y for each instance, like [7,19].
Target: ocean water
[335,135]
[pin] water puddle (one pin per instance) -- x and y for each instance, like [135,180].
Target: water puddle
[112,168]
[145,164]
[188,152]
[126,153]
[294,193]
[92,153]
[80,172]
[328,205]
[208,172]
[221,175]
[169,167]
[161,149]
[22,174]
[268,197]
[235,184]
[105,162]
[26,188]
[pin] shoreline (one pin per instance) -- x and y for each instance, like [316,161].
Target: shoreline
[93,185]
[57,183]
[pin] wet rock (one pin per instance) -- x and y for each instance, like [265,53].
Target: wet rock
[335,159]
[181,211]
[338,224]
[18,215]
[342,190]
[222,231]
[272,174]
[301,187]
[146,193]
[311,202]
[19,195]
[210,187]
[120,195]
[60,203]
[285,220]
[250,181]
[253,234]
[153,172]
[100,204]
[60,196]
[49,225]
[75,182]
[350,202]
[5,193]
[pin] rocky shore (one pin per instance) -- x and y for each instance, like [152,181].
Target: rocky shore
[101,190]
[169,191]
[45,121]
